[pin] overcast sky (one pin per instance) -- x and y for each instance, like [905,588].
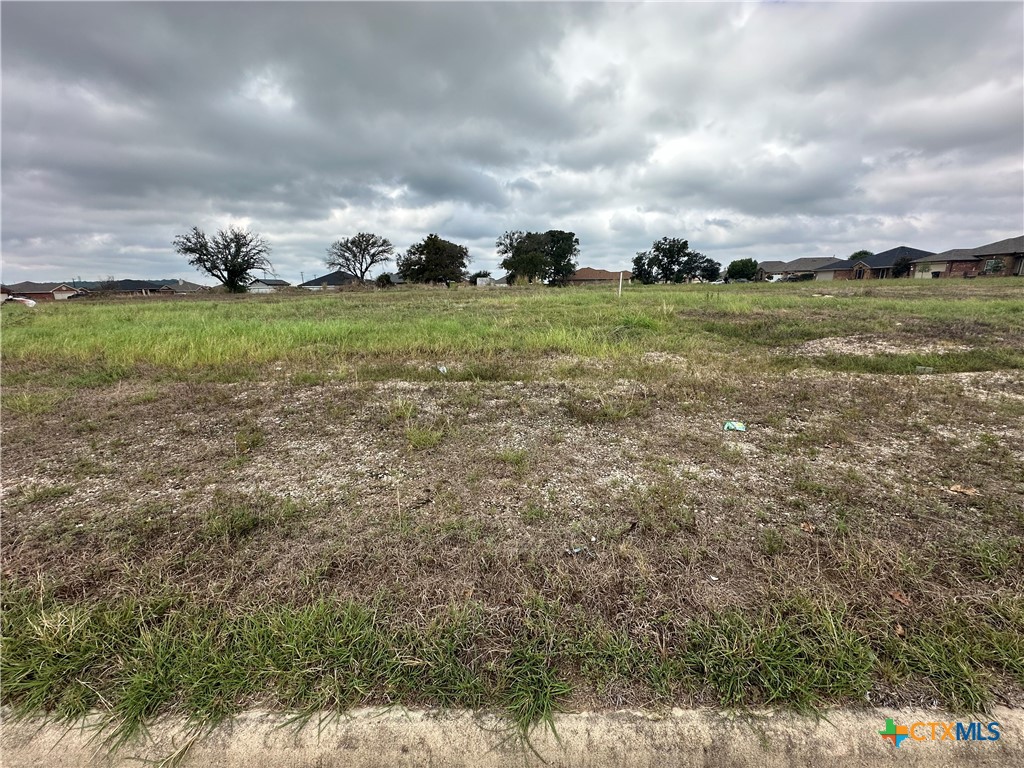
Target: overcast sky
[770,131]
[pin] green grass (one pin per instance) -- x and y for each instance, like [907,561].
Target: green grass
[93,344]
[37,494]
[771,542]
[229,520]
[605,408]
[133,659]
[31,403]
[423,438]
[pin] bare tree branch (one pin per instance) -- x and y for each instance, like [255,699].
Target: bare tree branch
[359,254]
[230,256]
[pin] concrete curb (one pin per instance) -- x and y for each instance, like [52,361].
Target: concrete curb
[374,738]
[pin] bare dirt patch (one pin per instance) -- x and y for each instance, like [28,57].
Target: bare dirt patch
[659,497]
[867,345]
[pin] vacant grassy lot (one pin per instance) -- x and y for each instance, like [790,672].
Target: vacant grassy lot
[519,499]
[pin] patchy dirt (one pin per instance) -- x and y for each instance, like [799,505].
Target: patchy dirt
[838,476]
[866,345]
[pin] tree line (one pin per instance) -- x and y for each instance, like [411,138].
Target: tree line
[233,255]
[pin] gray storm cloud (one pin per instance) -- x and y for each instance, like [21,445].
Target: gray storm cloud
[769,131]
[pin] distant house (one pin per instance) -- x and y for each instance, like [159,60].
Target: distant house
[837,269]
[181,286]
[766,270]
[882,265]
[132,288]
[591,276]
[795,269]
[804,267]
[267,285]
[492,282]
[331,282]
[877,267]
[1004,257]
[394,277]
[42,291]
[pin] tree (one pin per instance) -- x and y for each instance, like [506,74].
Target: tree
[708,269]
[562,249]
[742,269]
[359,254]
[230,256]
[642,270]
[859,255]
[506,243]
[433,260]
[902,266]
[476,275]
[525,255]
[670,260]
[549,256]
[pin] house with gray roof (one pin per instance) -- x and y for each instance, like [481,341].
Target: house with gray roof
[330,282]
[769,269]
[797,269]
[41,291]
[1001,258]
[875,267]
[836,269]
[267,285]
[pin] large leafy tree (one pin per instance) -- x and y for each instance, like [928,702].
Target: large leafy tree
[507,242]
[708,269]
[742,269]
[231,256]
[433,260]
[562,252]
[670,260]
[858,255]
[360,253]
[664,262]
[524,255]
[643,272]
[530,256]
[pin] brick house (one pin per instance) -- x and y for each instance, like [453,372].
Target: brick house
[876,267]
[840,269]
[1002,258]
[42,291]
[792,270]
[591,276]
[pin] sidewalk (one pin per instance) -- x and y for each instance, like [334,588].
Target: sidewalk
[372,738]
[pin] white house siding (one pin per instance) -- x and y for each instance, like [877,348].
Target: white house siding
[824,275]
[925,270]
[63,295]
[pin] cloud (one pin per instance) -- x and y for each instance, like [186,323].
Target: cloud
[771,131]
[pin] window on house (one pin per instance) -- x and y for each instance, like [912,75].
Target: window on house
[993,265]
[858,274]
